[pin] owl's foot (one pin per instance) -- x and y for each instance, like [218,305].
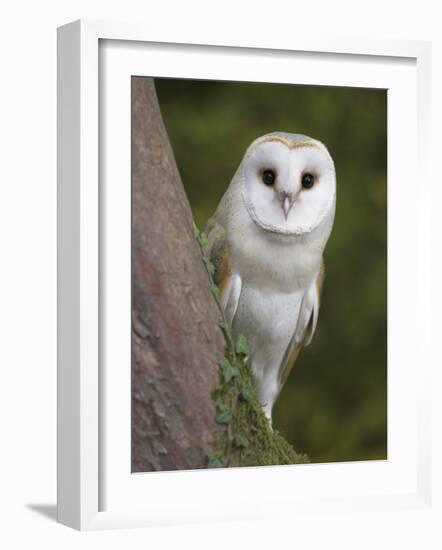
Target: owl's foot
[268,414]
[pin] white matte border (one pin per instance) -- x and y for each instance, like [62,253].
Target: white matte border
[236,488]
[88,516]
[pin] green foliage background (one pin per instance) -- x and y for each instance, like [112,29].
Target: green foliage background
[334,405]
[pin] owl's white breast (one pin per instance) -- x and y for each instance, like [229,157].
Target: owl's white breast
[272,262]
[267,319]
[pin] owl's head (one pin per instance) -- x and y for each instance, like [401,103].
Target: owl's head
[288,183]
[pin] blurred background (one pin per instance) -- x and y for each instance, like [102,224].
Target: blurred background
[334,404]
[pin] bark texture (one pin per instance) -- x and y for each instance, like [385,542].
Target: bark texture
[176,342]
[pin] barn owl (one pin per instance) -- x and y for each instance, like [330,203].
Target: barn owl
[266,241]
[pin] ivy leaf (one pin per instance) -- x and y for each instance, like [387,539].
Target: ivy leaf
[215,394]
[242,346]
[203,239]
[228,370]
[226,329]
[223,415]
[213,461]
[196,231]
[215,291]
[241,440]
[246,392]
[210,267]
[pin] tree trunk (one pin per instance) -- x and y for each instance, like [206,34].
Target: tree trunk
[176,341]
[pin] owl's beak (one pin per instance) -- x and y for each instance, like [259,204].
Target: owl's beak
[287,200]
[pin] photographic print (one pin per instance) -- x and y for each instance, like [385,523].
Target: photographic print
[259,274]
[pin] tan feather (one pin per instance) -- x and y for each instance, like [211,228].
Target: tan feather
[294,349]
[218,252]
[224,277]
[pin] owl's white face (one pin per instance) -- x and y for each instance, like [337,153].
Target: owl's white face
[288,183]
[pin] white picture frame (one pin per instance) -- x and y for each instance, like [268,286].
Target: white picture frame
[84,442]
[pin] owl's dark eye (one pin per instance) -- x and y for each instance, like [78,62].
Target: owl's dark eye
[307,180]
[268,177]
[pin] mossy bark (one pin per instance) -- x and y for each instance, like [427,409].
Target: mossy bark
[178,386]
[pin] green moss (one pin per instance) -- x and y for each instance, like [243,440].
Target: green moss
[247,438]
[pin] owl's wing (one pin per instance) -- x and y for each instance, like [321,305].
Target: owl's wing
[225,277]
[306,325]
